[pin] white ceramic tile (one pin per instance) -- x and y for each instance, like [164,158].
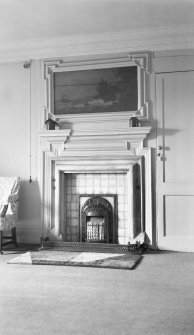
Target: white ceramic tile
[121,231]
[74,222]
[74,182]
[68,222]
[96,190]
[112,176]
[74,230]
[120,190]
[96,182]
[126,191]
[68,189]
[120,178]
[90,175]
[121,215]
[73,206]
[104,189]
[112,182]
[68,183]
[74,214]
[121,224]
[75,238]
[68,206]
[68,214]
[121,207]
[82,190]
[126,240]
[126,208]
[68,198]
[121,240]
[74,198]
[104,182]
[121,199]
[89,190]
[112,189]
[81,176]
[104,177]
[89,182]
[81,182]
[68,230]
[126,214]
[74,190]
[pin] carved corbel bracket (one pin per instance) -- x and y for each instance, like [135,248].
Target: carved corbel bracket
[136,139]
[54,141]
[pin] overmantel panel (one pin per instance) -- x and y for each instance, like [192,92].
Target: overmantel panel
[142,60]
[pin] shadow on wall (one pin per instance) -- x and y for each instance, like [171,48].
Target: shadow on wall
[29,201]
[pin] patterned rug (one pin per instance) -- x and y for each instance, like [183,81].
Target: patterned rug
[89,259]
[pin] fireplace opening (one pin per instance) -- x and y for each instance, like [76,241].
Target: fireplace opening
[98,221]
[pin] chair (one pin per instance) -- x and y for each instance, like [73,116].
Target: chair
[9,201]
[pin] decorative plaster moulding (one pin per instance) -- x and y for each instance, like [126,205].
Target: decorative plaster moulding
[94,143]
[142,60]
[154,39]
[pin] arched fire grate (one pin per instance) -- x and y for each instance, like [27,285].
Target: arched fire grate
[98,221]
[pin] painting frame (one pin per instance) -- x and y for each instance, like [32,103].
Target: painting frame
[140,60]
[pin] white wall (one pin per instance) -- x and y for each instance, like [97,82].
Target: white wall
[15,145]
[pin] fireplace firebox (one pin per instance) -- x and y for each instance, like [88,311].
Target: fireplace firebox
[98,220]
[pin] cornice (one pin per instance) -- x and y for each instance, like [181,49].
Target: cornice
[153,39]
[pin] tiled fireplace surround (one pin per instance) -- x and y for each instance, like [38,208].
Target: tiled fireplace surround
[74,162]
[103,184]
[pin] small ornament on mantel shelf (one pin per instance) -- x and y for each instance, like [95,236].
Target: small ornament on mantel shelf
[50,124]
[134,122]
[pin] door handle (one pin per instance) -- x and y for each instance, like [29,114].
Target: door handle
[160,147]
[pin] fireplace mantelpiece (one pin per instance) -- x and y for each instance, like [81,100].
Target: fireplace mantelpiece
[100,150]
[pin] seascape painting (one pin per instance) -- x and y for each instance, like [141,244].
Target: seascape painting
[96,90]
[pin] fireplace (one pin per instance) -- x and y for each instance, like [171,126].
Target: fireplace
[98,220]
[95,185]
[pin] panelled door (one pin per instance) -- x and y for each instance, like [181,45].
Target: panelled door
[175,160]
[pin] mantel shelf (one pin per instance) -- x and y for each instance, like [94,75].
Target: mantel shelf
[54,133]
[134,131]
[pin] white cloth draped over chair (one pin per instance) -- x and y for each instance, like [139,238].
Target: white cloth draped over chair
[9,202]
